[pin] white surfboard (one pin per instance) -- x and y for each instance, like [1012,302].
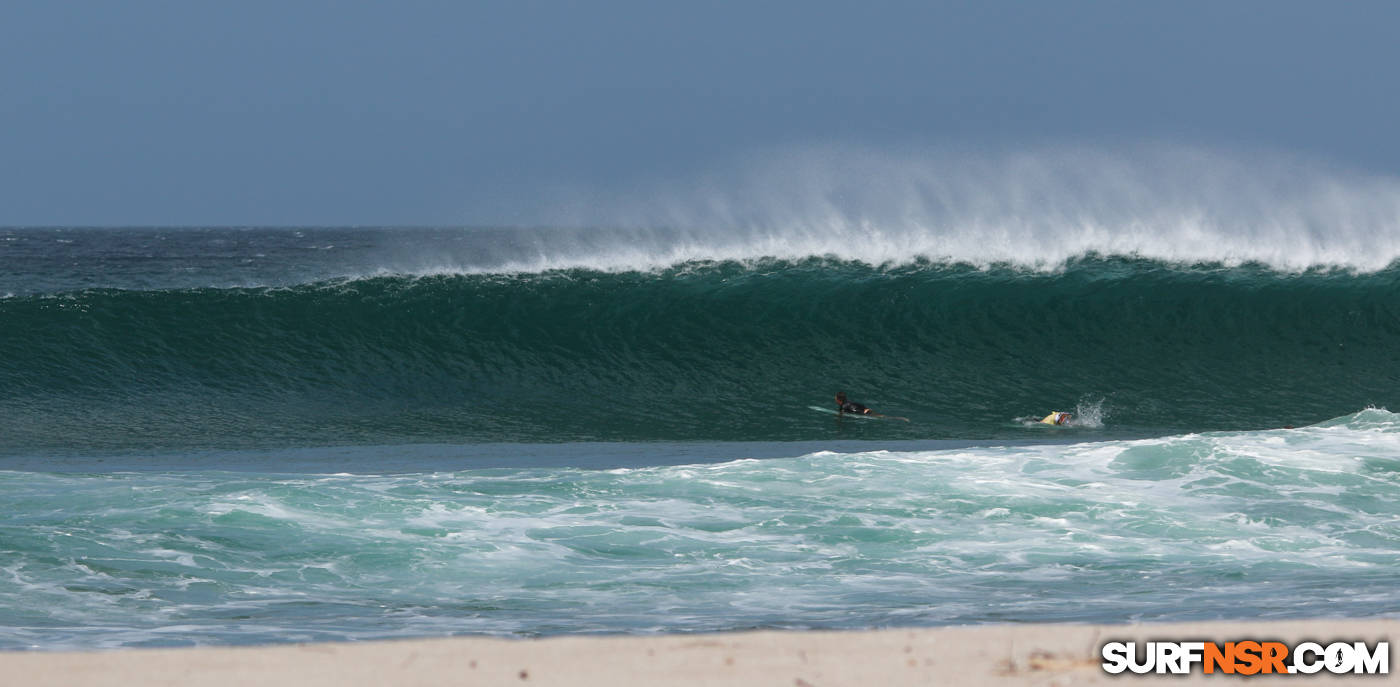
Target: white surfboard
[829,411]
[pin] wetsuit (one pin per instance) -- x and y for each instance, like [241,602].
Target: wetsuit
[852,407]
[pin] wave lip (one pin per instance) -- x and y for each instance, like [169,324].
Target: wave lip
[1037,208]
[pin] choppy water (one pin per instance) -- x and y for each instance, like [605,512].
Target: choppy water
[1273,524]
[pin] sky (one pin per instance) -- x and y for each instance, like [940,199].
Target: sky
[301,112]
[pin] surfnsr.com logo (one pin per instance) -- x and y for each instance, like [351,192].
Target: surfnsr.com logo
[1246,658]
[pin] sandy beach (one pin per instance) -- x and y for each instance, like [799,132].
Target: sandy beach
[980,655]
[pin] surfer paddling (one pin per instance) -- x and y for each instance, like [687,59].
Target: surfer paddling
[844,406]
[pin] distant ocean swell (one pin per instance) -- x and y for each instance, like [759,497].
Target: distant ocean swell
[699,351]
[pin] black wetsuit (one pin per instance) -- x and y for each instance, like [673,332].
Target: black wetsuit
[854,408]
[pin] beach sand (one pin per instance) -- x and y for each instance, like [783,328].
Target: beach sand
[979,655]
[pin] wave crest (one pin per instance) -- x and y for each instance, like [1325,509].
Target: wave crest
[1038,209]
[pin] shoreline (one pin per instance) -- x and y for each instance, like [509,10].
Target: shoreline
[1043,654]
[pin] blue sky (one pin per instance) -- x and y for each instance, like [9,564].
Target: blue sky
[144,112]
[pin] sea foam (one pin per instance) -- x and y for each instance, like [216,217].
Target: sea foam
[1171,528]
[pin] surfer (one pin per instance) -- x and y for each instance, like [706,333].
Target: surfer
[844,406]
[1057,418]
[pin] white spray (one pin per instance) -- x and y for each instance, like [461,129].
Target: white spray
[1035,209]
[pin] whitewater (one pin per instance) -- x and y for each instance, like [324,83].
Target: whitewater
[604,424]
[1278,524]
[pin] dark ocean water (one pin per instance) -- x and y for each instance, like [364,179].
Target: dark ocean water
[130,352]
[267,435]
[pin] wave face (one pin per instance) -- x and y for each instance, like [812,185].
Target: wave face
[700,351]
[1196,527]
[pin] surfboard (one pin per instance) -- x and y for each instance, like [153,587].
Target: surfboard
[829,411]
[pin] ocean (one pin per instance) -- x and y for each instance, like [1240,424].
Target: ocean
[226,436]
